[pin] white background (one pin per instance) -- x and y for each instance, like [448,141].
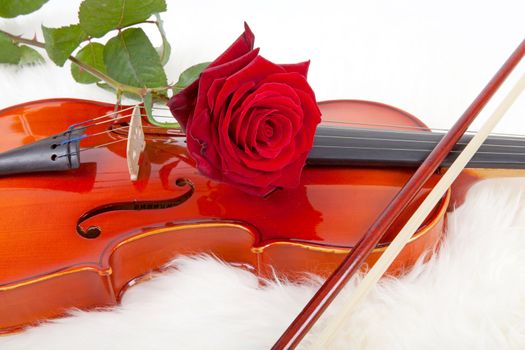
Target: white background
[430,58]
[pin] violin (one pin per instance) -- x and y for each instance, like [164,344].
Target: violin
[77,232]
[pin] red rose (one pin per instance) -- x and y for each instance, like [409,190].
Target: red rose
[249,122]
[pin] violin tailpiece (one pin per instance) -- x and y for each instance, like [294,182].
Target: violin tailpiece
[55,153]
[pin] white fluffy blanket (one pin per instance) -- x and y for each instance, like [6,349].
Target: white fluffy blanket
[428,58]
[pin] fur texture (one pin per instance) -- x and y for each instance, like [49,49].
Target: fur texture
[471,295]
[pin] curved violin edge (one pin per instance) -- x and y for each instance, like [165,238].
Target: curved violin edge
[89,285]
[57,100]
[110,105]
[117,268]
[277,255]
[380,105]
[469,177]
[97,272]
[80,287]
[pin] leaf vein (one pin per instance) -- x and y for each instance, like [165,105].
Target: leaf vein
[132,66]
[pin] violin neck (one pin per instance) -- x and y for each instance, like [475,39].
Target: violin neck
[336,146]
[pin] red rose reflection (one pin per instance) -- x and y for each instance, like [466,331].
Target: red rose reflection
[249,122]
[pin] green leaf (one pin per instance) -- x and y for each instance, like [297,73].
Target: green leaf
[111,89]
[9,52]
[13,54]
[131,59]
[93,55]
[61,42]
[190,75]
[97,17]
[148,107]
[29,55]
[165,50]
[13,8]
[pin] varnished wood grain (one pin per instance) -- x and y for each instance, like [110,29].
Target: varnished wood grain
[46,267]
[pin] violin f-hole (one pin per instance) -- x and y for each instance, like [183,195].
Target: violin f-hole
[94,231]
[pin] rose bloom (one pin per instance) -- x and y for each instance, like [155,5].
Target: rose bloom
[249,122]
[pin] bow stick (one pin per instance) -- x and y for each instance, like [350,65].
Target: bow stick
[353,261]
[415,221]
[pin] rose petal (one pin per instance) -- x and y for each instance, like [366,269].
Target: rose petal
[209,75]
[214,88]
[238,124]
[255,71]
[283,134]
[256,122]
[294,80]
[301,68]
[291,174]
[240,47]
[249,122]
[182,105]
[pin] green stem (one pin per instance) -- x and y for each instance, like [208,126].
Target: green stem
[115,84]
[17,39]
[93,71]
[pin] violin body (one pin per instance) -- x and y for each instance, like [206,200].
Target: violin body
[46,266]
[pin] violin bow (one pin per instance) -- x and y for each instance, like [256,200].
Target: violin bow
[353,261]
[398,243]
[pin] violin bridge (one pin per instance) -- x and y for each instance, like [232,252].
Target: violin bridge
[136,143]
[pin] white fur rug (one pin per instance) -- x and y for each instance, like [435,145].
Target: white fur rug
[429,59]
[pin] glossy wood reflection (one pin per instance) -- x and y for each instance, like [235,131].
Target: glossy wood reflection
[46,267]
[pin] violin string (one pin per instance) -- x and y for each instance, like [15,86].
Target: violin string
[416,150]
[107,115]
[81,137]
[167,139]
[90,148]
[386,125]
[102,145]
[323,136]
[337,147]
[111,142]
[105,132]
[404,140]
[111,118]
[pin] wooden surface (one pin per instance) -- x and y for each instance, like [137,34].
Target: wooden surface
[291,232]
